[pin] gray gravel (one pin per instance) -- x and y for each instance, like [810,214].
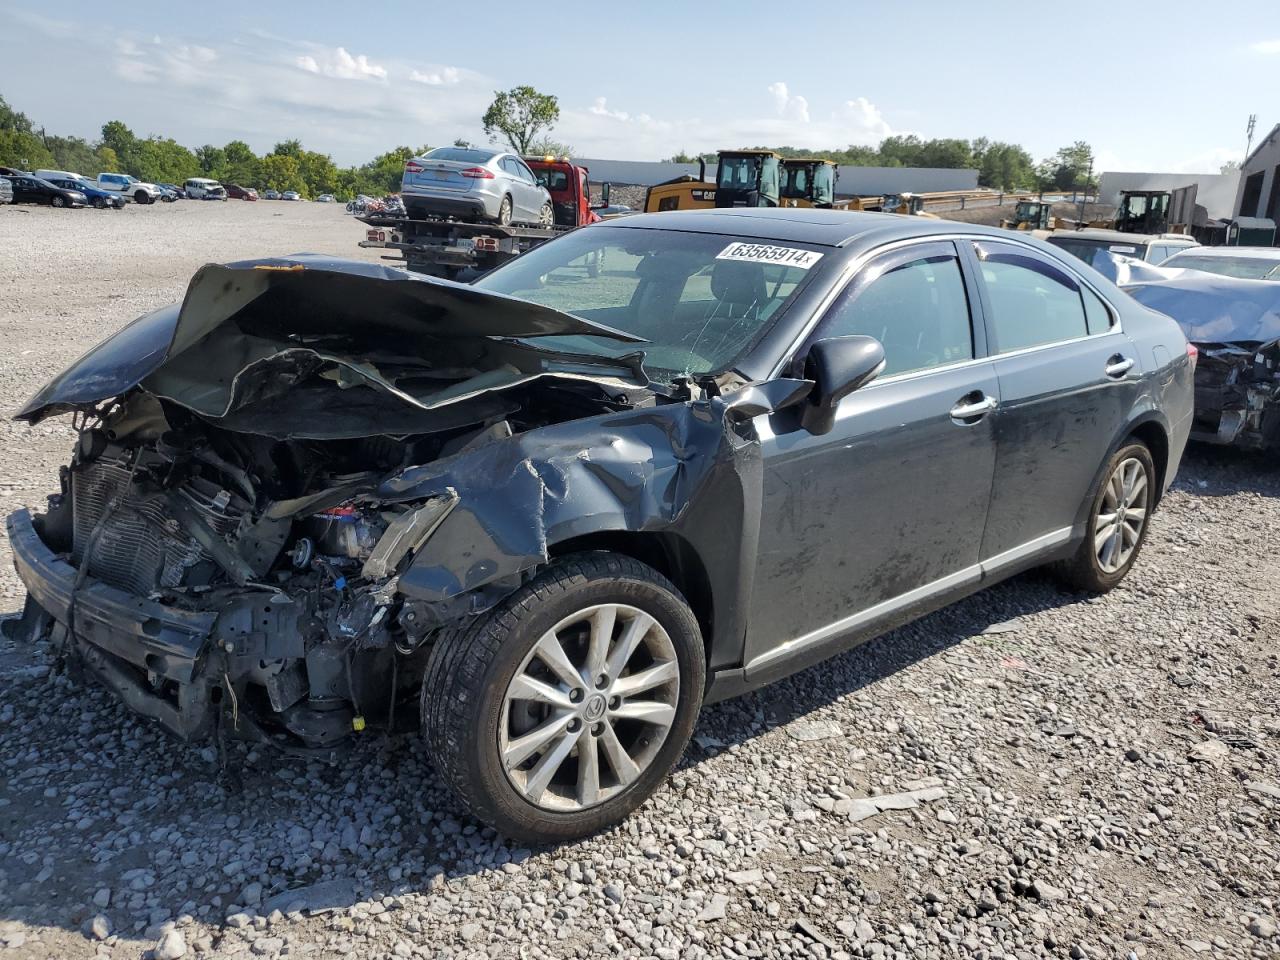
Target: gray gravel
[1026,774]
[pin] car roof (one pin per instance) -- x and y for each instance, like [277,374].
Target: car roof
[832,228]
[1254,253]
[1113,236]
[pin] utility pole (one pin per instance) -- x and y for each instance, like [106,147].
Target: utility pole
[1253,122]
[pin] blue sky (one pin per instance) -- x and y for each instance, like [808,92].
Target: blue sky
[1152,86]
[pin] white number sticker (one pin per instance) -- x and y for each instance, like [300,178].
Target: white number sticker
[764,253]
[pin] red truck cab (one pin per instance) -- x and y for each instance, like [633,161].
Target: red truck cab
[570,190]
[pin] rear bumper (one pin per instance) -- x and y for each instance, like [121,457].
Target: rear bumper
[133,645]
[472,206]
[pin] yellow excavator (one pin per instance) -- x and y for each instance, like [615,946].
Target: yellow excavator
[1031,215]
[744,178]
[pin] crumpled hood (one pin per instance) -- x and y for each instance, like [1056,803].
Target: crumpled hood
[248,332]
[1214,309]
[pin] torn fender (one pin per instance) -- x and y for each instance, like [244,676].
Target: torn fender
[682,470]
[251,329]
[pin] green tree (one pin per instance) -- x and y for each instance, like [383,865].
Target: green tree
[519,115]
[282,172]
[74,154]
[545,146]
[1005,166]
[241,165]
[211,160]
[20,146]
[1068,168]
[120,139]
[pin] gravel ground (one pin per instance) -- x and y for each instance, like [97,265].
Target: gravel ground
[1026,774]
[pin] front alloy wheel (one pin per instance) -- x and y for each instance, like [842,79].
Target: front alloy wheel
[589,707]
[563,708]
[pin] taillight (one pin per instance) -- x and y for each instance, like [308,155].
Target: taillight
[1194,353]
[375,235]
[412,167]
[477,173]
[485,244]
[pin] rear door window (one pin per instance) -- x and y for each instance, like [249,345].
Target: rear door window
[1032,301]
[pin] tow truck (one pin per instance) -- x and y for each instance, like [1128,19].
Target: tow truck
[457,250]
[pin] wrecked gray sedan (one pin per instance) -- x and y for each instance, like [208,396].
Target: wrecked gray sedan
[653,463]
[1235,325]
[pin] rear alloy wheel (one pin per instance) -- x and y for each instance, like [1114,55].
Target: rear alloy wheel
[504,212]
[565,707]
[547,217]
[59,200]
[1118,521]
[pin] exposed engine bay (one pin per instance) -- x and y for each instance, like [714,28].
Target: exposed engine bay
[227,542]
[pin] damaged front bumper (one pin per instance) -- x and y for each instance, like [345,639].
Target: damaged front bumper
[251,657]
[1237,398]
[136,647]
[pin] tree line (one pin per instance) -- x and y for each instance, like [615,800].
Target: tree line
[289,166]
[522,116]
[1003,166]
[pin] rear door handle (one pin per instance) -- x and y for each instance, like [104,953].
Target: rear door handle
[974,406]
[1117,366]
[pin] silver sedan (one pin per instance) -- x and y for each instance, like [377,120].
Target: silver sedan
[471,184]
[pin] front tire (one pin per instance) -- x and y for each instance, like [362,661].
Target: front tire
[566,706]
[99,203]
[58,201]
[141,197]
[1119,516]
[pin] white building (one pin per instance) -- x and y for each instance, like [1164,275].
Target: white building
[1259,192]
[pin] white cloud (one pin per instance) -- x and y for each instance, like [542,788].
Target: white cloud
[868,124]
[775,116]
[789,107]
[1265,46]
[341,65]
[135,71]
[600,107]
[440,77]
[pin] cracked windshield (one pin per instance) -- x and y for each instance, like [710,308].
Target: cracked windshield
[698,310]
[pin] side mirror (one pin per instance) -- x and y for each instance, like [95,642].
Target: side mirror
[756,399]
[838,367]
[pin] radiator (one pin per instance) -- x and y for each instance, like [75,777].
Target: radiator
[141,547]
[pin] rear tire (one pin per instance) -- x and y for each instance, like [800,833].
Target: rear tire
[609,725]
[546,217]
[504,212]
[1118,520]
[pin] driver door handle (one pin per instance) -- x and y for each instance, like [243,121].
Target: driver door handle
[974,406]
[1117,366]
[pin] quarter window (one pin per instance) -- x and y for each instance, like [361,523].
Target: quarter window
[915,307]
[1032,301]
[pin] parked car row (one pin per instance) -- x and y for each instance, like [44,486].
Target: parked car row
[63,188]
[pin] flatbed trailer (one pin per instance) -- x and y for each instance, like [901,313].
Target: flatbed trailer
[450,248]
